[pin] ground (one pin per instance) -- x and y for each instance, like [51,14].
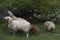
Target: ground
[6,35]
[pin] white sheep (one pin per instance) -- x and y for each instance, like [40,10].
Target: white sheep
[18,25]
[49,26]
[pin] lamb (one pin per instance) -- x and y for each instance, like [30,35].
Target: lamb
[49,26]
[18,25]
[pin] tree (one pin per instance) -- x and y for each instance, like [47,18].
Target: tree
[43,9]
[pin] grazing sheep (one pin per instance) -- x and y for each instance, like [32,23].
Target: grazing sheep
[49,26]
[18,25]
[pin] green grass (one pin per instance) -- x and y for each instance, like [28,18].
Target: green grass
[5,35]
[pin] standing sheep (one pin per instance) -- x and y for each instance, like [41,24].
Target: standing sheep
[49,26]
[33,28]
[18,25]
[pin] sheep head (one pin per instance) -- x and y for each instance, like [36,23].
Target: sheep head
[7,18]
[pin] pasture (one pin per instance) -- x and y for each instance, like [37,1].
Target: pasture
[6,35]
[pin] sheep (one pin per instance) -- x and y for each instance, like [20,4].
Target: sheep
[49,26]
[18,25]
[33,29]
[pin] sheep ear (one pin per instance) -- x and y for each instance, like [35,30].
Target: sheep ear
[10,13]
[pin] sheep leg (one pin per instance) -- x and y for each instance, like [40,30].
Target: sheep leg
[14,31]
[46,30]
[10,30]
[27,34]
[51,30]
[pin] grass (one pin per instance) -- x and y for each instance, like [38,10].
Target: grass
[5,35]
